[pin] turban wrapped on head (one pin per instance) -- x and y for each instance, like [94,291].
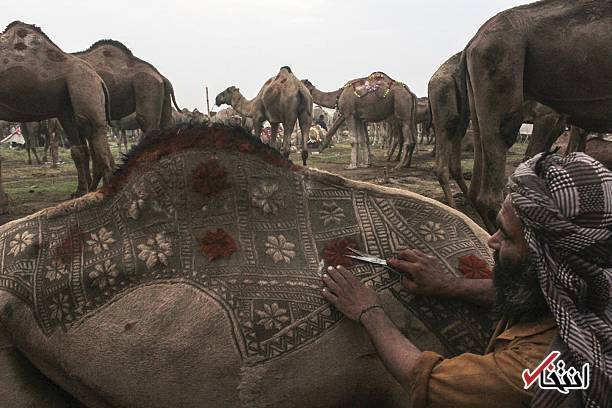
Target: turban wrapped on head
[565,205]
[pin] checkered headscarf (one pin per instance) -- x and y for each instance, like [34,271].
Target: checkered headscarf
[565,204]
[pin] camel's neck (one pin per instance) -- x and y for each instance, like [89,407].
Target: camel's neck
[242,105]
[326,99]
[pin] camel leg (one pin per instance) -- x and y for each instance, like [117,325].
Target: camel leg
[577,140]
[124,139]
[22,385]
[331,132]
[273,134]
[35,155]
[409,136]
[364,147]
[3,196]
[288,127]
[546,130]
[305,122]
[102,158]
[499,117]
[149,97]
[79,153]
[354,141]
[257,129]
[442,165]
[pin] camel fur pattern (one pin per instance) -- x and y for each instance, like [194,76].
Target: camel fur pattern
[39,81]
[521,54]
[194,279]
[135,86]
[451,118]
[374,98]
[282,99]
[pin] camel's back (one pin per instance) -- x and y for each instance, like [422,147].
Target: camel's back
[113,57]
[27,47]
[206,253]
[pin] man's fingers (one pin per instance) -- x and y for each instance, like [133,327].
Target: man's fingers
[350,278]
[404,266]
[330,297]
[331,284]
[408,284]
[336,276]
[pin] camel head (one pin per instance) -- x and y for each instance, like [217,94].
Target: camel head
[308,84]
[226,96]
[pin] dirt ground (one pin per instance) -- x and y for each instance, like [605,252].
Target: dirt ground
[34,187]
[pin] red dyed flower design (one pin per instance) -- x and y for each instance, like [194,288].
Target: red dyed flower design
[335,251]
[217,244]
[209,177]
[473,267]
[246,147]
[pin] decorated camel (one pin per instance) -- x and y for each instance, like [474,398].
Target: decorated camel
[521,53]
[282,99]
[193,279]
[451,117]
[39,81]
[371,99]
[135,86]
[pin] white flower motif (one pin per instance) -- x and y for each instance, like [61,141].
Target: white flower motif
[55,270]
[104,274]
[432,231]
[280,249]
[156,250]
[272,316]
[60,308]
[265,196]
[20,242]
[101,241]
[331,213]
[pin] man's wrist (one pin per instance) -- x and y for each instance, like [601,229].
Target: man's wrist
[371,316]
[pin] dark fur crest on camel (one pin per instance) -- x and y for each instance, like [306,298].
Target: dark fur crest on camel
[159,143]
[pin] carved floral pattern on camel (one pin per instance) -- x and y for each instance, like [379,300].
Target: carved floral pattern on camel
[255,239]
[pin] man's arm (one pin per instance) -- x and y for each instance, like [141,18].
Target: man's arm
[424,276]
[360,303]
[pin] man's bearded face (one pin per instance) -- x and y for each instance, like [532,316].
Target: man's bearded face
[517,290]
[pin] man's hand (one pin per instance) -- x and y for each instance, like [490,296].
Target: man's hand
[423,274]
[346,293]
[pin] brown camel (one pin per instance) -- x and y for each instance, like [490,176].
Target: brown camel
[39,81]
[423,118]
[370,99]
[134,85]
[522,54]
[194,280]
[451,117]
[282,99]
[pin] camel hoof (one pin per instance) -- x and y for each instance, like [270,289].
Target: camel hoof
[364,166]
[351,167]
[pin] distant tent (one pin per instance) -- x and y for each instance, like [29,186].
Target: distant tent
[526,129]
[15,137]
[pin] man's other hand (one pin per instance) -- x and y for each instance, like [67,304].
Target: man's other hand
[347,293]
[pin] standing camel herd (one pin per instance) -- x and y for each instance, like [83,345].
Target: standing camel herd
[496,83]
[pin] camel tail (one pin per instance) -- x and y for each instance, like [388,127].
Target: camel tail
[463,103]
[170,91]
[107,104]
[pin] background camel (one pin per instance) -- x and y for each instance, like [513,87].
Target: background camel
[134,85]
[451,117]
[423,118]
[31,132]
[594,145]
[194,280]
[282,99]
[39,81]
[371,99]
[521,54]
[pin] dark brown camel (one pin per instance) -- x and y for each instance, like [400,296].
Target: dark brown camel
[39,81]
[451,117]
[520,54]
